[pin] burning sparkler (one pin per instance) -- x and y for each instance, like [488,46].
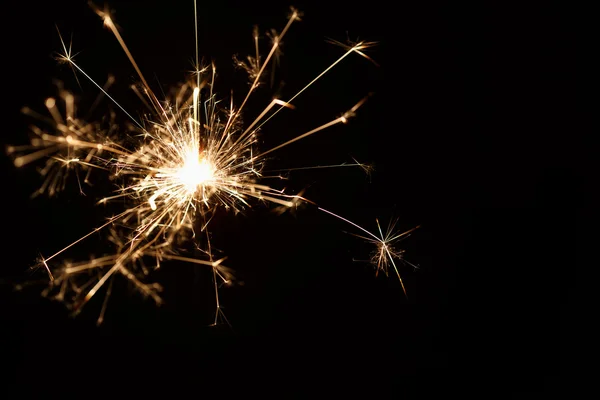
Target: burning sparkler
[179,164]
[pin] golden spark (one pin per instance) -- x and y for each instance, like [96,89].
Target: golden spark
[185,159]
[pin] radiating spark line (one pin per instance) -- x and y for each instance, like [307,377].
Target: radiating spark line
[110,221]
[320,128]
[197,50]
[105,303]
[47,269]
[353,49]
[317,167]
[102,89]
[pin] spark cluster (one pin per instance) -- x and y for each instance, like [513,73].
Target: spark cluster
[189,156]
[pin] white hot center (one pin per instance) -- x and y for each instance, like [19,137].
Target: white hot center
[195,172]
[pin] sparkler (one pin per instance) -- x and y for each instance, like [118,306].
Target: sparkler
[188,157]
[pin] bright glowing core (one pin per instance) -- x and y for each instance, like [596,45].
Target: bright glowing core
[196,171]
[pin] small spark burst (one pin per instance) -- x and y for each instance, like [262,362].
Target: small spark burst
[187,157]
[385,251]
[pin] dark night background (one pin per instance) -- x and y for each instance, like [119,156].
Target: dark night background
[473,134]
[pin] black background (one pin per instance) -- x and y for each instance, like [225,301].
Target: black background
[473,135]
